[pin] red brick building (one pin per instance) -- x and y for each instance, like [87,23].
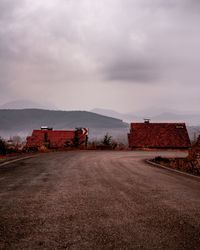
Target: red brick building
[158,136]
[56,139]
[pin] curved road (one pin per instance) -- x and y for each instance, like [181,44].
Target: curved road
[97,200]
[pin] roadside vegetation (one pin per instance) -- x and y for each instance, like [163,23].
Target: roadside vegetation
[11,146]
[16,144]
[190,164]
[107,143]
[2,147]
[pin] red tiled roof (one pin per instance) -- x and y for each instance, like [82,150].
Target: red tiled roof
[158,135]
[55,138]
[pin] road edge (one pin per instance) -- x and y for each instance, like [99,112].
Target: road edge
[173,170]
[16,160]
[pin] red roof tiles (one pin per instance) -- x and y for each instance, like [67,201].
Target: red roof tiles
[158,135]
[54,138]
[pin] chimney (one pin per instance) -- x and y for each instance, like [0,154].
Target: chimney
[147,120]
[46,128]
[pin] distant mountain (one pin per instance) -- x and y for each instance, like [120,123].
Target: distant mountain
[25,104]
[191,120]
[22,122]
[152,111]
[128,117]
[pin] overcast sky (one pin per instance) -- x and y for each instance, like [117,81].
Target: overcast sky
[125,55]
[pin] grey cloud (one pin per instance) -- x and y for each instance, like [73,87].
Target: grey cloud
[180,4]
[7,8]
[136,71]
[171,44]
[56,45]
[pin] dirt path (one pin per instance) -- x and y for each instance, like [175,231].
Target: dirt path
[97,200]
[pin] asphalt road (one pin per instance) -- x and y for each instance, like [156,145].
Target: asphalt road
[97,200]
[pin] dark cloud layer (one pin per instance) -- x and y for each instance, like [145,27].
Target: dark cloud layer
[50,49]
[135,70]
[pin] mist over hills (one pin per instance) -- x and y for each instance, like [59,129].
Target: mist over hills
[100,121]
[26,104]
[23,121]
[156,114]
[112,113]
[192,120]
[189,119]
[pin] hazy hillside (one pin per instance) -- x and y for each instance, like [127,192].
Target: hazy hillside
[112,113]
[26,104]
[22,122]
[189,119]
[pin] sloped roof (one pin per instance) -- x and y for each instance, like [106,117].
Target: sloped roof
[56,138]
[159,135]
